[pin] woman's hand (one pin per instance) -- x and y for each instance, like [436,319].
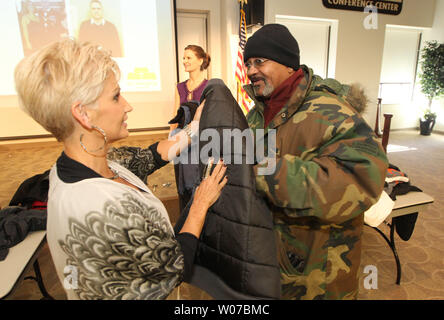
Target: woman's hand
[205,196]
[171,147]
[173,126]
[210,188]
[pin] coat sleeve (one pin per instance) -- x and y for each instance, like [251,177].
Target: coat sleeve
[336,178]
[140,161]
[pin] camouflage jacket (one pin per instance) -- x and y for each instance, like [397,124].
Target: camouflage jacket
[330,168]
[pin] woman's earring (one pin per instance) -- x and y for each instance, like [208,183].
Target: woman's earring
[100,130]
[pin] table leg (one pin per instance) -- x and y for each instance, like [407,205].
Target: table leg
[38,278]
[395,253]
[391,243]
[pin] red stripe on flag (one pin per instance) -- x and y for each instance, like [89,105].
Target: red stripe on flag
[240,75]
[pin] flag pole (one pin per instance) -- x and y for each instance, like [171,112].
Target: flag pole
[240,74]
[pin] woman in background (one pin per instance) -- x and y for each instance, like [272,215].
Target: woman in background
[195,61]
[109,236]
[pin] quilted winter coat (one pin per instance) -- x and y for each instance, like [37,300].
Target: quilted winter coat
[237,255]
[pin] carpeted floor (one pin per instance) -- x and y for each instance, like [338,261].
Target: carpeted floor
[422,257]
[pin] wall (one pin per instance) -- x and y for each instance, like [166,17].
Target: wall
[151,109]
[215,41]
[406,116]
[223,35]
[230,34]
[223,29]
[437,33]
[359,50]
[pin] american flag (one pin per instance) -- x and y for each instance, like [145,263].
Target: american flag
[241,76]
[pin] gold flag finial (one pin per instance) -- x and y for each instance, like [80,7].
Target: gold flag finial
[242,2]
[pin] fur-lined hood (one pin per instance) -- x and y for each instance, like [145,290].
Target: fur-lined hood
[353,94]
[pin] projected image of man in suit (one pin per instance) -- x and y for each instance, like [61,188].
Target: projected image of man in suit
[98,30]
[41,22]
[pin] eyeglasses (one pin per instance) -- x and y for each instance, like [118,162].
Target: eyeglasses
[257,63]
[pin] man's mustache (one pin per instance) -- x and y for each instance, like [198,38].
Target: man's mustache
[254,79]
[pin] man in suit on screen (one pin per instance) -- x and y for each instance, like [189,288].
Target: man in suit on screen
[99,30]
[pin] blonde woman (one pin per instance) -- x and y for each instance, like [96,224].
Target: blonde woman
[105,227]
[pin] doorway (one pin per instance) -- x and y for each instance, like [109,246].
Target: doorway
[192,28]
[317,40]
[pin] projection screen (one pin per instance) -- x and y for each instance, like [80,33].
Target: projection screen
[139,33]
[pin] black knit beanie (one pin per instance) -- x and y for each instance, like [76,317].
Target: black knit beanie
[274,42]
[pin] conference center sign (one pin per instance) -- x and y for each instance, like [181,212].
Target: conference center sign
[383,6]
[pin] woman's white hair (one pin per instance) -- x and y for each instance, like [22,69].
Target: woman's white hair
[51,80]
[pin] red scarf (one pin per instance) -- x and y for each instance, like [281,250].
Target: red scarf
[281,95]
